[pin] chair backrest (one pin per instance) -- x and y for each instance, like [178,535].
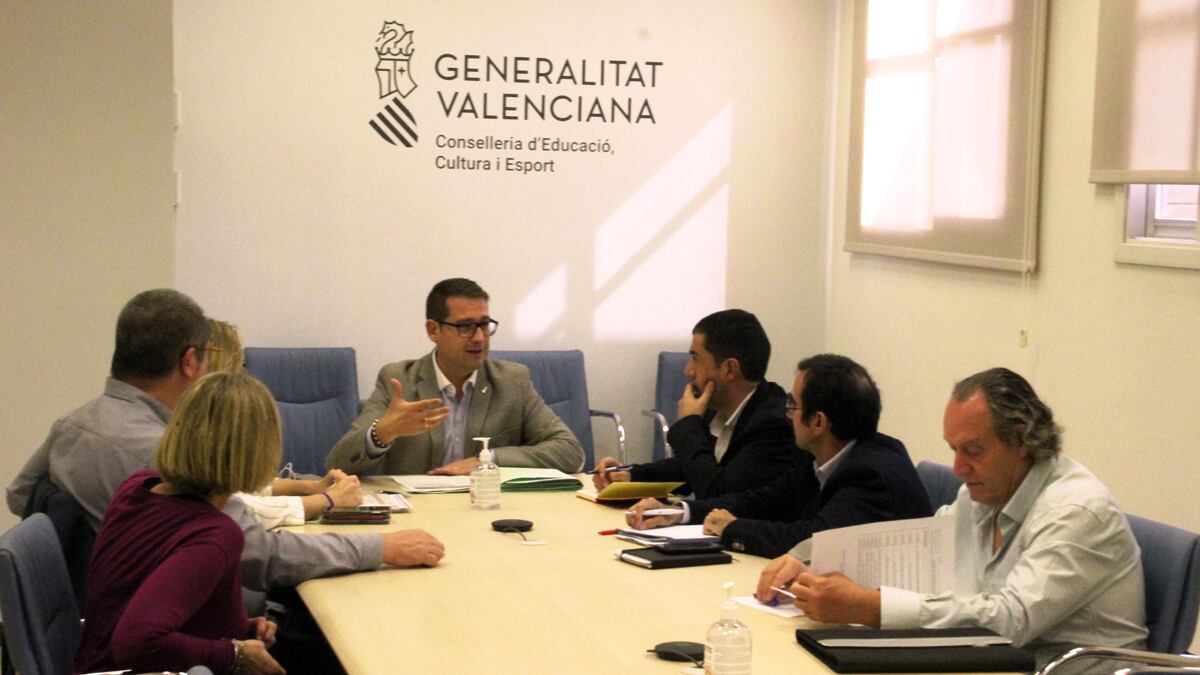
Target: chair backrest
[317,393]
[1171,566]
[560,379]
[668,387]
[41,619]
[75,533]
[940,483]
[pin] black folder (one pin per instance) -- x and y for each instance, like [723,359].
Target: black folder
[654,559]
[915,659]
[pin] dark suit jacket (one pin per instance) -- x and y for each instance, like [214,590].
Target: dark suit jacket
[763,445]
[524,430]
[875,481]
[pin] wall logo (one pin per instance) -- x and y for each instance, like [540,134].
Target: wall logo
[395,123]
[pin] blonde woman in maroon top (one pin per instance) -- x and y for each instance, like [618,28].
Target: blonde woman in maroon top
[164,585]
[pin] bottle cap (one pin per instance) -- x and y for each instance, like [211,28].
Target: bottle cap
[485,455]
[728,607]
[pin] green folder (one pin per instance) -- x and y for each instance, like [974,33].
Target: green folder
[515,479]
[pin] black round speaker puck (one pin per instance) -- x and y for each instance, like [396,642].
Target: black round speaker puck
[511,525]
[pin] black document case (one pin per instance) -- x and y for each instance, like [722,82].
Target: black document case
[919,659]
[655,559]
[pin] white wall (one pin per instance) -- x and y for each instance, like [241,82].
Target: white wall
[85,219]
[299,224]
[85,198]
[1111,347]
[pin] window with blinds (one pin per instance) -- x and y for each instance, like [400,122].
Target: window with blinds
[945,130]
[1146,126]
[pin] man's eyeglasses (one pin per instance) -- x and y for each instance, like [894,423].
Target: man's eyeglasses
[467,329]
[791,408]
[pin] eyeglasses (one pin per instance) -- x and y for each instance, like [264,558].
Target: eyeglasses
[467,329]
[791,408]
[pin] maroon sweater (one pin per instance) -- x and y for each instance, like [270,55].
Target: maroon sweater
[164,584]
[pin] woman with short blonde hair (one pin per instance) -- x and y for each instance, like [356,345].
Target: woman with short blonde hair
[164,584]
[223,438]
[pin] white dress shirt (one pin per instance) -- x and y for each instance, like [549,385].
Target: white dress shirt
[1068,572]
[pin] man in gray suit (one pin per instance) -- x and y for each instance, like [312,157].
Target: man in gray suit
[455,394]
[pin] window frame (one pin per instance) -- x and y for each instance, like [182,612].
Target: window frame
[956,239]
[1144,239]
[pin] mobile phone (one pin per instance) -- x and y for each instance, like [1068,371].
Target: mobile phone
[354,515]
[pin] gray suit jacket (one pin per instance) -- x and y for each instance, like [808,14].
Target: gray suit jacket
[504,407]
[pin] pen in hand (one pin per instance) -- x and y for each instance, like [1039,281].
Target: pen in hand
[775,601]
[623,467]
[657,512]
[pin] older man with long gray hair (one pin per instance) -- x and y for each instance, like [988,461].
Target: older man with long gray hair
[1044,555]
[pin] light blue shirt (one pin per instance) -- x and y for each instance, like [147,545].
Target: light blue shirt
[1068,572]
[456,424]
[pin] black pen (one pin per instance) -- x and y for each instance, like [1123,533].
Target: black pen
[623,467]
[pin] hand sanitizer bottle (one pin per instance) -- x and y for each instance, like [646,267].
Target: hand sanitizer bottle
[485,480]
[727,645]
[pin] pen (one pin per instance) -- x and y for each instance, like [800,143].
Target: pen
[607,532]
[623,467]
[775,601]
[658,512]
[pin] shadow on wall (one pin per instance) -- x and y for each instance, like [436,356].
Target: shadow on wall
[660,257]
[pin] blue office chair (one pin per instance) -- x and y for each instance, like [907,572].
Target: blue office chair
[317,393]
[940,483]
[41,620]
[75,534]
[1171,565]
[668,386]
[560,379]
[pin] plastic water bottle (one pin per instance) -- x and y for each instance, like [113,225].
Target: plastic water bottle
[485,480]
[727,645]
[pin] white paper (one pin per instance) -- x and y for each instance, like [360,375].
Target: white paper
[916,554]
[672,533]
[888,643]
[509,472]
[425,484]
[785,608]
[395,503]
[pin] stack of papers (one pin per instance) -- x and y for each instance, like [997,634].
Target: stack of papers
[421,484]
[394,502]
[690,534]
[512,479]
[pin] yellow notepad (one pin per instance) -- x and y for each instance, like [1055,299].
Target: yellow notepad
[626,490]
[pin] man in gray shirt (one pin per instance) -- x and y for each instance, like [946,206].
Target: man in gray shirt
[160,351]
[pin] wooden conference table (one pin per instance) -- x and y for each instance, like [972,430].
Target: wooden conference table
[494,605]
